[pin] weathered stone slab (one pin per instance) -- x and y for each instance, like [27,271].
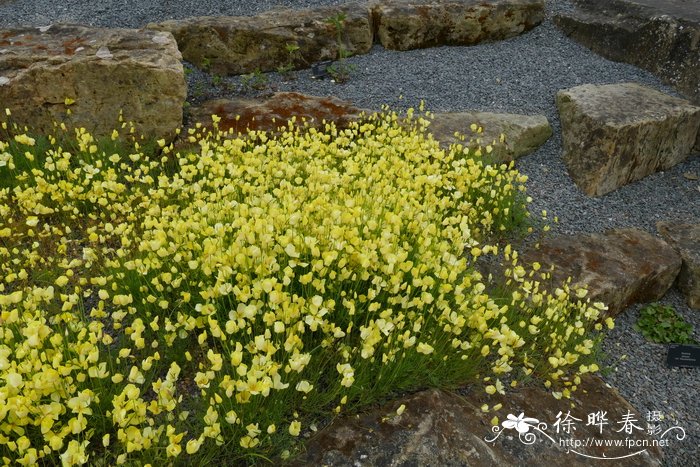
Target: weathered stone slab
[619,133]
[271,113]
[619,268]
[407,24]
[662,36]
[104,71]
[685,238]
[440,428]
[523,134]
[242,44]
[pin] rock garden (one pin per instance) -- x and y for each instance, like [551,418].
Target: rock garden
[394,232]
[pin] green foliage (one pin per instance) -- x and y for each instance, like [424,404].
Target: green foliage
[286,70]
[341,70]
[293,57]
[254,81]
[338,22]
[663,325]
[291,48]
[198,90]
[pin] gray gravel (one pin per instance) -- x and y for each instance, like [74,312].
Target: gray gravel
[134,13]
[519,75]
[636,368]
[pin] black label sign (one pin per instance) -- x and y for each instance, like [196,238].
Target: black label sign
[684,356]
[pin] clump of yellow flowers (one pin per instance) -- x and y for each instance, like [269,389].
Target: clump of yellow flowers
[158,305]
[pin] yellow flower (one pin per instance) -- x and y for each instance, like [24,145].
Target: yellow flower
[24,139]
[304,386]
[61,281]
[215,359]
[13,379]
[609,322]
[291,250]
[249,442]
[173,450]
[75,453]
[193,445]
[295,428]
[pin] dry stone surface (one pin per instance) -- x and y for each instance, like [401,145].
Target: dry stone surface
[269,114]
[619,268]
[441,428]
[619,133]
[685,238]
[405,24]
[523,134]
[94,73]
[240,44]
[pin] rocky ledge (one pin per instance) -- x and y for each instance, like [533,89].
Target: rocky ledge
[662,36]
[298,38]
[87,76]
[440,428]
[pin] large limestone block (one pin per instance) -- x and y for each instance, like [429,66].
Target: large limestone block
[523,134]
[242,44]
[685,238]
[619,268]
[104,71]
[662,36]
[618,133]
[440,428]
[410,24]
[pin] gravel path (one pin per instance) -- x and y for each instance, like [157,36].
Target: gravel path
[520,75]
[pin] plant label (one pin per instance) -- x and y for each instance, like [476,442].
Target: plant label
[683,356]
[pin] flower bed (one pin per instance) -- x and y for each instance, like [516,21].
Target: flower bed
[160,305]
